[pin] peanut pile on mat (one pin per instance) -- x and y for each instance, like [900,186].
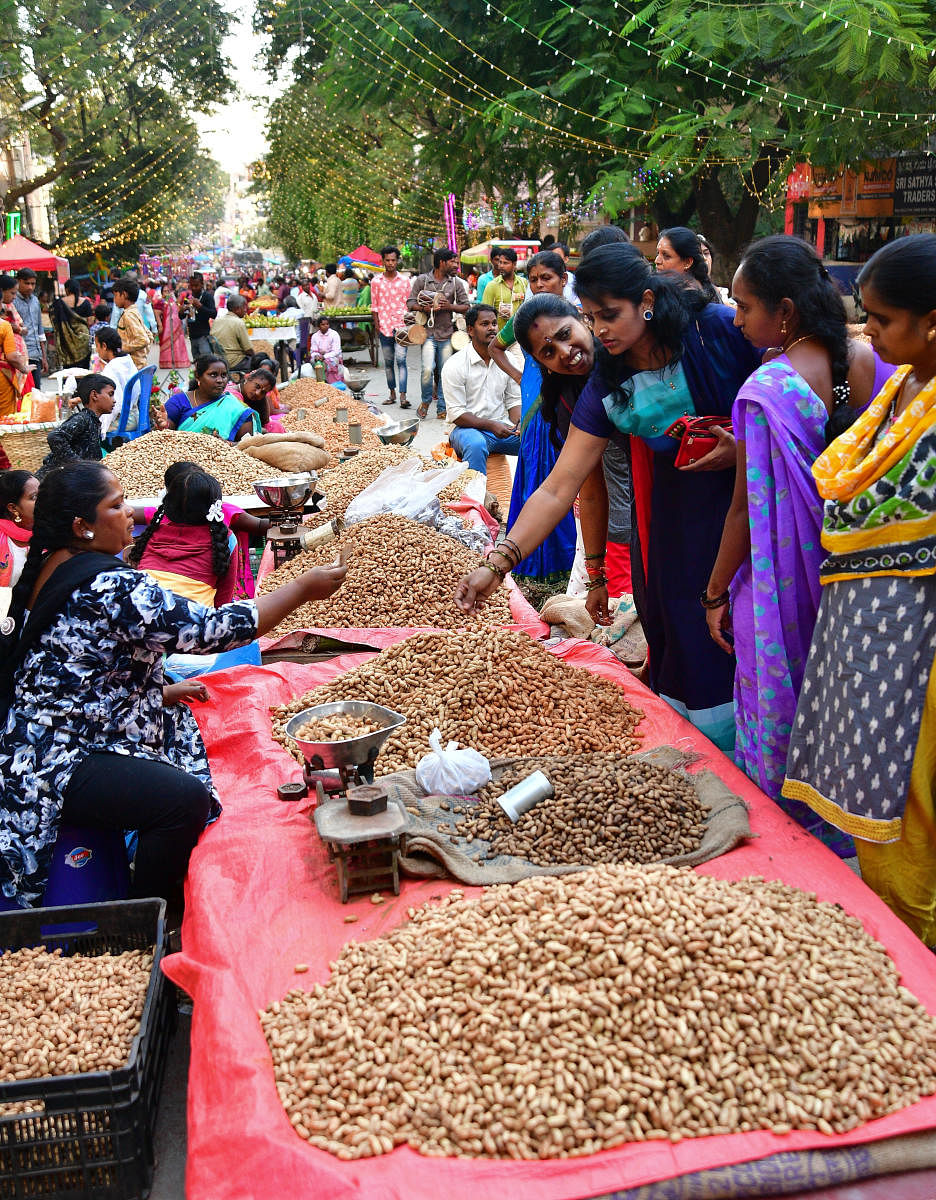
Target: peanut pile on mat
[495,690]
[342,483]
[301,397]
[141,464]
[60,1015]
[560,1016]
[603,810]
[400,573]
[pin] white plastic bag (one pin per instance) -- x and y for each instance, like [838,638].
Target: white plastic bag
[404,489]
[451,772]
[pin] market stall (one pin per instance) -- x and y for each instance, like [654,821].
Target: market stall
[353,321]
[263,917]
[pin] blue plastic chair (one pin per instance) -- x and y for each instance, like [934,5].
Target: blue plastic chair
[142,384]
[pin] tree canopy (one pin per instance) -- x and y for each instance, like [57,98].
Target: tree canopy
[700,107]
[105,92]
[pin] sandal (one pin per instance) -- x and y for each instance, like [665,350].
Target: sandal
[391,401]
[405,404]
[423,411]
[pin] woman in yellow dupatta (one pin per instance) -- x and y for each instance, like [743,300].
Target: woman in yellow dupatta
[863,749]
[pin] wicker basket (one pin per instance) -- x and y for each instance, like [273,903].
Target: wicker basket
[26,445]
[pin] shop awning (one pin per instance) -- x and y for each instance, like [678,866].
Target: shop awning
[19,252]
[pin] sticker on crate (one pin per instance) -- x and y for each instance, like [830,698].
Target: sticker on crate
[79,857]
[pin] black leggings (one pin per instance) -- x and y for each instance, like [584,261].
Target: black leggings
[167,806]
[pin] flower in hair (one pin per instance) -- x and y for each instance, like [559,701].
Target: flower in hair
[215,513]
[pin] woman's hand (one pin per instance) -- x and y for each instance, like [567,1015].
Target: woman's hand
[722,458]
[188,689]
[719,625]
[596,602]
[472,590]
[159,418]
[322,582]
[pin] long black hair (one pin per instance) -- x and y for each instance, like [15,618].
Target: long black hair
[12,486]
[554,386]
[903,273]
[190,493]
[780,268]
[67,492]
[687,245]
[620,272]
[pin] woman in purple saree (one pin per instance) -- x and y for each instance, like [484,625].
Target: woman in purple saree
[763,593]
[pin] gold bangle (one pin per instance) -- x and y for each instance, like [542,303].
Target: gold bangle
[501,575]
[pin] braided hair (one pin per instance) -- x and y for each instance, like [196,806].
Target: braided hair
[66,493]
[190,493]
[781,267]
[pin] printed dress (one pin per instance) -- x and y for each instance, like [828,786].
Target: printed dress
[93,684]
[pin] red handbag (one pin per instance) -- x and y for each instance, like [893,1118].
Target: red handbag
[695,437]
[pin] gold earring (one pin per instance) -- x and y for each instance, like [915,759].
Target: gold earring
[931,335]
[783,328]
[17,518]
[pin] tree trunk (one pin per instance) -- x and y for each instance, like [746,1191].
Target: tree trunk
[729,231]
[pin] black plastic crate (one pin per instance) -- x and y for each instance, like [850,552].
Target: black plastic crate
[94,1134]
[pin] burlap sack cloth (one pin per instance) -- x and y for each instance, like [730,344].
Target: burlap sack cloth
[428,853]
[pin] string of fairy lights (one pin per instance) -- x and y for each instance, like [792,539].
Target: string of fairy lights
[437,77]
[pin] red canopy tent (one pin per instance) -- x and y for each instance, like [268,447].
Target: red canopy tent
[365,256]
[19,252]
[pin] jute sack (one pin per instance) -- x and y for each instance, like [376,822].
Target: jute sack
[428,852]
[287,451]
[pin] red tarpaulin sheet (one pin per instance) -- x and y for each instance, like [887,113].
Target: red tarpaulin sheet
[262,897]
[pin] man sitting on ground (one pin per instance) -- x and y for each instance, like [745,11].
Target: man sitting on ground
[483,402]
[231,334]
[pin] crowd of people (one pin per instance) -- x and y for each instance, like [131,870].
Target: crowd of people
[760,480]
[783,536]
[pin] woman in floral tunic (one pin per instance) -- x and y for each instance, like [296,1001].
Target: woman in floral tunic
[87,739]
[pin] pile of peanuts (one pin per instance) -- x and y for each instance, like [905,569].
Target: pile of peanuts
[400,573]
[603,810]
[301,396]
[342,483]
[141,464]
[61,1015]
[336,727]
[561,1016]
[495,690]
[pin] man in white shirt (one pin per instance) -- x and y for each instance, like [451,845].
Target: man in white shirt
[482,401]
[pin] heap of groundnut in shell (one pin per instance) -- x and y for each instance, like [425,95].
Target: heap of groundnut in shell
[565,1015]
[495,690]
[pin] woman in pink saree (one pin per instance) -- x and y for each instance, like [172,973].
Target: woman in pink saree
[173,352]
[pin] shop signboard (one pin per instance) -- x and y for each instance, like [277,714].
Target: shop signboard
[915,185]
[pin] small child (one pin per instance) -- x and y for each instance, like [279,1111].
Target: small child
[102,314]
[186,547]
[80,436]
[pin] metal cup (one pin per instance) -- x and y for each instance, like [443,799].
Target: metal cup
[354,433]
[341,416]
[525,794]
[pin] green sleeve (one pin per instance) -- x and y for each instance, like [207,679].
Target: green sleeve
[505,337]
[492,298]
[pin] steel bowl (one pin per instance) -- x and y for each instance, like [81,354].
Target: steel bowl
[355,751]
[289,491]
[399,434]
